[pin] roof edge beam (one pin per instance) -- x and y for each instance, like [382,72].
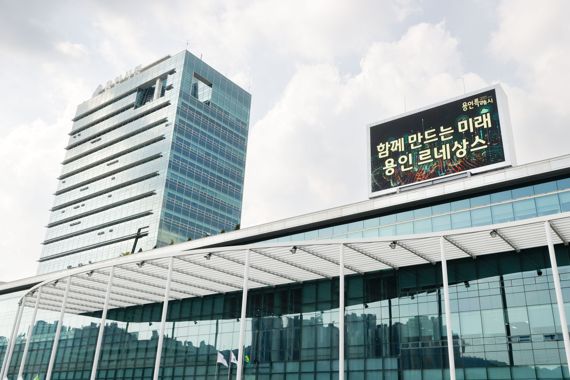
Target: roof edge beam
[90,297]
[496,232]
[456,245]
[288,262]
[118,285]
[115,295]
[370,255]
[224,271]
[79,308]
[329,259]
[558,233]
[191,294]
[413,251]
[257,267]
[200,277]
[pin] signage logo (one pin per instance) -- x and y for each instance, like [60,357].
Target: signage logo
[121,78]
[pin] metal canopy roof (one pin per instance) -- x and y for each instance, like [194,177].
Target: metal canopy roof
[141,278]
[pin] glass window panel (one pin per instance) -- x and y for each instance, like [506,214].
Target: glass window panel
[374,222]
[493,322]
[547,187]
[499,373]
[441,223]
[470,324]
[325,232]
[564,201]
[387,219]
[524,209]
[441,209]
[388,231]
[405,228]
[547,204]
[563,184]
[354,235]
[518,321]
[501,196]
[297,237]
[491,302]
[480,201]
[406,215]
[355,226]
[481,217]
[422,226]
[541,319]
[422,213]
[461,219]
[372,233]
[311,235]
[502,213]
[537,297]
[548,356]
[340,229]
[524,373]
[523,357]
[523,192]
[460,205]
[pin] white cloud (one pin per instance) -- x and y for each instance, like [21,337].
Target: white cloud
[318,72]
[29,161]
[73,50]
[535,42]
[309,151]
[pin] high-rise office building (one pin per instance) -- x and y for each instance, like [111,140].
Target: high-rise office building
[155,157]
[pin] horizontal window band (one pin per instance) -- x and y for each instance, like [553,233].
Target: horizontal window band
[156,107]
[92,246]
[102,105]
[112,157]
[104,117]
[105,191]
[95,228]
[109,173]
[119,97]
[114,141]
[101,209]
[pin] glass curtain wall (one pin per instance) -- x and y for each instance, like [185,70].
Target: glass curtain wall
[504,320]
[525,202]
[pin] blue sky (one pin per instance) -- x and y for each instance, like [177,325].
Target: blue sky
[318,71]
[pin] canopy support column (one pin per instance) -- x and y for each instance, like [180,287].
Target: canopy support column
[29,335]
[97,355]
[12,344]
[239,374]
[163,320]
[558,290]
[58,330]
[341,302]
[450,353]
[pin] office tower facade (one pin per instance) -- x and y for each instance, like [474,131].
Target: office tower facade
[155,157]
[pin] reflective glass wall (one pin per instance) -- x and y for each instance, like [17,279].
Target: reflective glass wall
[504,320]
[204,184]
[551,197]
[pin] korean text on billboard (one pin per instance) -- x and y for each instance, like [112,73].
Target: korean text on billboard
[458,136]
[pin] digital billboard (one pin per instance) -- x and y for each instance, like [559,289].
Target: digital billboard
[465,134]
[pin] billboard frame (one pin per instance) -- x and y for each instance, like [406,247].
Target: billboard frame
[506,136]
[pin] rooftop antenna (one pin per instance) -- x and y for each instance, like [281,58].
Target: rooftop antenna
[187,44]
